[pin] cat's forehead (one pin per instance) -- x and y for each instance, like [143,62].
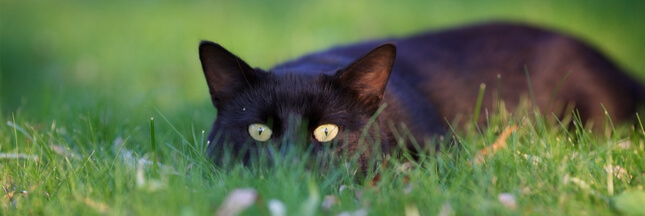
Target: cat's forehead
[293,93]
[299,87]
[299,78]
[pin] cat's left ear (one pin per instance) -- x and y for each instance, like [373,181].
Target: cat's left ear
[368,75]
[225,73]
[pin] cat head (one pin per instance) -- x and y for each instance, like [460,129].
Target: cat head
[263,114]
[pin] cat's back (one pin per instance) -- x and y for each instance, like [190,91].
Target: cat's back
[498,46]
[561,70]
[445,65]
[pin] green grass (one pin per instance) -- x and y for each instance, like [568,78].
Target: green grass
[80,80]
[548,169]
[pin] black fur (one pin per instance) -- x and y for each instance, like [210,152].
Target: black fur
[435,77]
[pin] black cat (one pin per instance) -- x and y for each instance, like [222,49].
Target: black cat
[326,99]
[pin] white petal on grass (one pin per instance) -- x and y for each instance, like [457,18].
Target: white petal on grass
[342,188]
[446,210]
[98,206]
[141,179]
[359,212]
[535,160]
[580,183]
[18,156]
[329,201]
[64,152]
[277,208]
[507,200]
[311,204]
[619,172]
[237,201]
[358,194]
[150,185]
[130,158]
[404,167]
[624,144]
[407,189]
[411,210]
[124,154]
[23,131]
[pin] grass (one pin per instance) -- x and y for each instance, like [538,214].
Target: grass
[79,82]
[547,169]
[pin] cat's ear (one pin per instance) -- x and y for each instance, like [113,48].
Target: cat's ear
[368,75]
[225,73]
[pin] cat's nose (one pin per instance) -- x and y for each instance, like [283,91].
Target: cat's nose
[295,135]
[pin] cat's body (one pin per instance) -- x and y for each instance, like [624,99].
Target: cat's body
[435,78]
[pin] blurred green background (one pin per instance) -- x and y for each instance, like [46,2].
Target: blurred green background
[124,60]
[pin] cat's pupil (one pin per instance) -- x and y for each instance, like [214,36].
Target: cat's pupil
[326,132]
[260,129]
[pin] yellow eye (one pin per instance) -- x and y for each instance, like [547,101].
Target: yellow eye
[326,132]
[260,132]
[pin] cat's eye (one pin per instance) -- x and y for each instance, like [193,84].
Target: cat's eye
[326,132]
[260,132]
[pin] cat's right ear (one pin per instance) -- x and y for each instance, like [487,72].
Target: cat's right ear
[368,75]
[225,73]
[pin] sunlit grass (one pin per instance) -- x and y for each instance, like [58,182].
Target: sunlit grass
[545,168]
[79,82]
